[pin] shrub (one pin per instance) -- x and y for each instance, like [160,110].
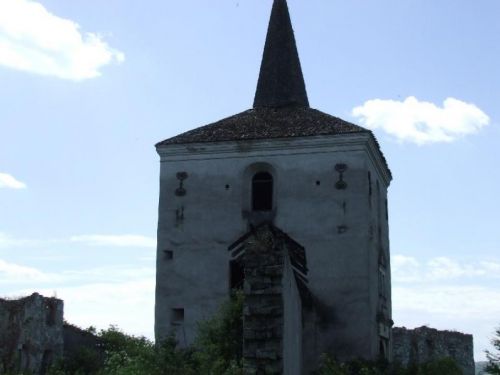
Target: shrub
[217,351]
[445,366]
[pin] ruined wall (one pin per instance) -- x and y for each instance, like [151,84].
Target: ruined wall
[420,345]
[31,333]
[263,306]
[272,314]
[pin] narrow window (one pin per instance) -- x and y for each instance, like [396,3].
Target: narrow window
[262,192]
[237,274]
[369,183]
[382,349]
[51,310]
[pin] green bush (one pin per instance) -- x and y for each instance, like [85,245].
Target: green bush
[444,366]
[219,345]
[217,350]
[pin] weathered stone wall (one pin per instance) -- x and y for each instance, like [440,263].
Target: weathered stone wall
[31,333]
[272,321]
[420,345]
[344,231]
[263,307]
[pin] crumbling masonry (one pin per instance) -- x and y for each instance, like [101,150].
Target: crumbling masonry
[31,334]
[420,345]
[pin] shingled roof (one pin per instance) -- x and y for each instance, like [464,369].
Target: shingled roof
[281,107]
[264,123]
[281,82]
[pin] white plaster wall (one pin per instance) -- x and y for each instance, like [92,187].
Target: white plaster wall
[292,322]
[341,264]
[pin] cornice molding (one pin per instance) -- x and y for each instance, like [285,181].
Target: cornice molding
[275,147]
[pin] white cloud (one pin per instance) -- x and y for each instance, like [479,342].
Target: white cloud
[127,240]
[422,122]
[447,293]
[7,241]
[34,40]
[103,304]
[407,269]
[10,272]
[8,181]
[123,240]
[96,296]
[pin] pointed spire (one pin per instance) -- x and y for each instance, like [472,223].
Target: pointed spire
[281,83]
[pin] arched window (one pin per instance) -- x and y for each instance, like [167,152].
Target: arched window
[262,192]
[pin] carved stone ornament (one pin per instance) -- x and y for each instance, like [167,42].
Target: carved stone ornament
[180,191]
[341,184]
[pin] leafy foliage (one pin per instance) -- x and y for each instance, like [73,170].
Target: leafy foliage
[493,366]
[444,366]
[219,344]
[217,351]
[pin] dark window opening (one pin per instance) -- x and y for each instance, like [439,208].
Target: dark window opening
[169,254]
[369,184]
[51,309]
[177,316]
[262,192]
[318,183]
[237,277]
[227,187]
[382,349]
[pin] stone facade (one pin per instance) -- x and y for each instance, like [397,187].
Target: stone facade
[420,345]
[319,179]
[31,333]
[272,318]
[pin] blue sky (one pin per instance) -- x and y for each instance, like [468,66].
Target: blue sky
[88,87]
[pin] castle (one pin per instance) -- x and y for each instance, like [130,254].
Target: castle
[317,184]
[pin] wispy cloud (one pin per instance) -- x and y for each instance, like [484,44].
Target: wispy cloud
[101,240]
[34,40]
[96,296]
[8,181]
[406,269]
[7,241]
[127,240]
[11,272]
[422,122]
[447,293]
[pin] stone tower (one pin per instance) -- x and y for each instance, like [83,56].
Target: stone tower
[318,181]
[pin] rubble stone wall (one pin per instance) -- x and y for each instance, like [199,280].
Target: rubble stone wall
[31,334]
[420,345]
[272,314]
[263,306]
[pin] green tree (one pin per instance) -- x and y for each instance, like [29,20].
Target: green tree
[217,351]
[219,345]
[493,366]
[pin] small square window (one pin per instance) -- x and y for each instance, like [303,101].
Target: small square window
[169,254]
[177,316]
